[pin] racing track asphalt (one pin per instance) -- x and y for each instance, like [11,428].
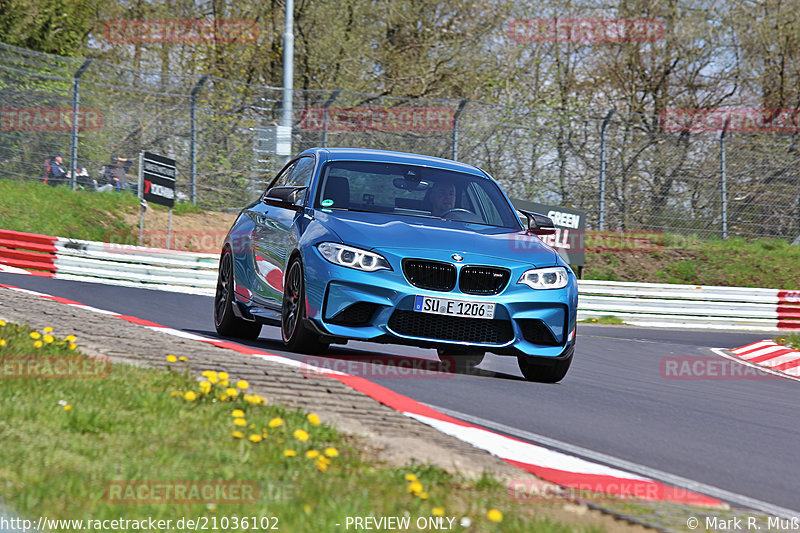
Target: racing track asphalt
[740,435]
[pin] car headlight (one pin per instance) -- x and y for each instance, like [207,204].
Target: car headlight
[545,278]
[350,257]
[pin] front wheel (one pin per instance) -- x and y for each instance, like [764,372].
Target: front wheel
[296,335]
[225,321]
[545,372]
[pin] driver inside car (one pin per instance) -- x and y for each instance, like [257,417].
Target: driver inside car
[442,198]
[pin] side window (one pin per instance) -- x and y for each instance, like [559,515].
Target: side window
[282,178]
[301,175]
[298,173]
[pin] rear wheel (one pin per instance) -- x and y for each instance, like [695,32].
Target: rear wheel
[545,372]
[296,335]
[463,360]
[225,321]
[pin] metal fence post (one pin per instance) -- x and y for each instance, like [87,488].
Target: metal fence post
[325,107]
[193,141]
[455,128]
[76,88]
[288,71]
[602,202]
[723,180]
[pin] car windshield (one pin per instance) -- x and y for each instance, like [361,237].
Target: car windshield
[410,190]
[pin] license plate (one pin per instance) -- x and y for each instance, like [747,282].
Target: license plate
[443,306]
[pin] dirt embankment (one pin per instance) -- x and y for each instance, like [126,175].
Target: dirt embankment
[194,232]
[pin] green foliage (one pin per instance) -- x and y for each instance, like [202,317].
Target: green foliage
[53,26]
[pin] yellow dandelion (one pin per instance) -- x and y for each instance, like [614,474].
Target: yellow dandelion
[2,323]
[258,399]
[2,342]
[36,335]
[237,413]
[237,434]
[224,383]
[222,376]
[307,508]
[415,487]
[331,452]
[300,435]
[175,393]
[437,511]
[70,338]
[205,386]
[411,477]
[190,396]
[171,359]
[183,358]
[312,454]
[255,437]
[38,344]
[72,346]
[289,453]
[252,426]
[423,495]
[233,393]
[264,432]
[494,515]
[241,422]
[48,339]
[276,422]
[313,419]
[242,384]
[48,329]
[67,407]
[322,466]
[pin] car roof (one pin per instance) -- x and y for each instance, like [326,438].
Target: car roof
[387,156]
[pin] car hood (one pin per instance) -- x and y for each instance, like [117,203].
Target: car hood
[379,231]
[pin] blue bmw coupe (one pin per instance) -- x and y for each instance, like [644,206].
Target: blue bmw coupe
[397,248]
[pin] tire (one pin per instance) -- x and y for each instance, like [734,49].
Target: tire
[296,335]
[225,321]
[464,361]
[534,370]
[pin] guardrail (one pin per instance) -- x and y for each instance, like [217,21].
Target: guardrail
[125,265]
[643,304]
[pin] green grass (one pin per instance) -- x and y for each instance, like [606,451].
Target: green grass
[770,263]
[792,340]
[34,207]
[605,320]
[133,426]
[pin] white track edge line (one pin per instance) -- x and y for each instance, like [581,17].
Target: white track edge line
[624,464]
[745,362]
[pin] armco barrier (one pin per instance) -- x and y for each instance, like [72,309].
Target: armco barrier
[643,304]
[134,266]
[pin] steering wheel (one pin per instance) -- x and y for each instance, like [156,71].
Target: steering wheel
[456,210]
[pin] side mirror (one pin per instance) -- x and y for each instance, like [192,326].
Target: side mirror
[539,224]
[285,197]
